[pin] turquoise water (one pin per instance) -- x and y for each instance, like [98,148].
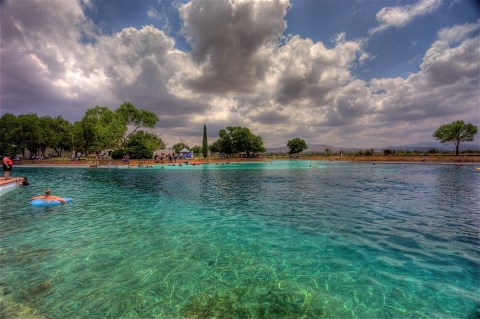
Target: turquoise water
[258,240]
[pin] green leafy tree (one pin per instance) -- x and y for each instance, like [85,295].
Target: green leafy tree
[101,128]
[245,141]
[30,133]
[33,133]
[180,146]
[136,118]
[296,145]
[56,134]
[328,151]
[141,145]
[456,132]
[64,136]
[235,139]
[205,142]
[150,140]
[215,147]
[9,127]
[46,134]
[78,142]
[121,152]
[225,142]
[198,149]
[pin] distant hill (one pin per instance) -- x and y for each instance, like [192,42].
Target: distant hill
[316,148]
[420,147]
[425,146]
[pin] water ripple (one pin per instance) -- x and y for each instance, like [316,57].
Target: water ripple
[264,240]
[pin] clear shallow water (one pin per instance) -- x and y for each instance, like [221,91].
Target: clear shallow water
[260,240]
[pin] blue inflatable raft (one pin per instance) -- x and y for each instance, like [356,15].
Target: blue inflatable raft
[46,202]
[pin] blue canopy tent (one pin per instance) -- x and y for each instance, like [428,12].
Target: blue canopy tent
[185,153]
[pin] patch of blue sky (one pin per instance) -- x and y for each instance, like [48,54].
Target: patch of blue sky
[112,16]
[322,20]
[394,52]
[398,52]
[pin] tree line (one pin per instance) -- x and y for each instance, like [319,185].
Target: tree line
[123,131]
[99,129]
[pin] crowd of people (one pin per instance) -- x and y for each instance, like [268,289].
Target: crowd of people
[172,158]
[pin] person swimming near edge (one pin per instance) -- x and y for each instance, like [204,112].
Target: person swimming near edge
[48,196]
[23,181]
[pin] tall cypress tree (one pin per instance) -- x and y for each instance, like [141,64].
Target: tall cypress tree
[205,142]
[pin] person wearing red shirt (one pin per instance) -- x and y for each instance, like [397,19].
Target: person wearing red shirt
[7,167]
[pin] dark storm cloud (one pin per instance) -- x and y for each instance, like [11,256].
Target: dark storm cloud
[173,121]
[270,117]
[38,40]
[233,49]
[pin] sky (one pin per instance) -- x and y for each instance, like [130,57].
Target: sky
[346,73]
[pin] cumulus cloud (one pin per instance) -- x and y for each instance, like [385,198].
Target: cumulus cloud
[46,59]
[307,70]
[241,71]
[385,110]
[453,57]
[41,56]
[402,15]
[445,88]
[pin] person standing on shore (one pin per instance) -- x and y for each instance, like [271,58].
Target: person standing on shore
[7,167]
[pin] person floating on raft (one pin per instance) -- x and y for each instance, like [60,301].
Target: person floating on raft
[48,197]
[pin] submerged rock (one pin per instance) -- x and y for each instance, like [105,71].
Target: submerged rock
[42,287]
[14,310]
